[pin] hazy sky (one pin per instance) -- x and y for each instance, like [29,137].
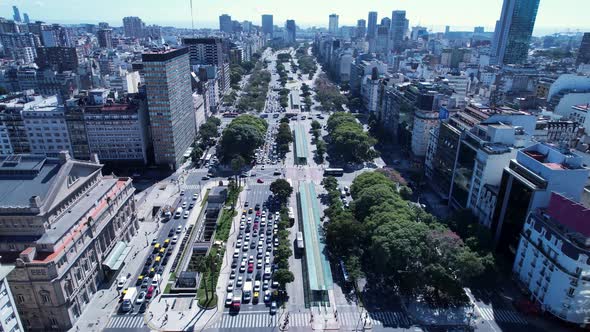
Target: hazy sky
[553,15]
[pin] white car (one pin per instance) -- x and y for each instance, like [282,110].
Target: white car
[230,287]
[178,229]
[140,298]
[186,213]
[121,282]
[229,298]
[174,239]
[239,281]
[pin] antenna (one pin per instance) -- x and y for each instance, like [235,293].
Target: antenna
[192,18]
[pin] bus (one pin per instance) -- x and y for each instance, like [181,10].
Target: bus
[333,172]
[230,114]
[299,239]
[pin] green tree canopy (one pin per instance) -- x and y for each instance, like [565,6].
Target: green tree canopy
[281,189]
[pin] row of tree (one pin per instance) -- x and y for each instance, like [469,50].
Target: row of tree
[328,94]
[284,137]
[307,63]
[241,138]
[397,244]
[348,141]
[282,190]
[254,96]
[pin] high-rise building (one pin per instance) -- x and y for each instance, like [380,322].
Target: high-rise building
[584,50]
[12,321]
[267,24]
[513,31]
[16,15]
[105,38]
[65,233]
[333,24]
[57,58]
[12,41]
[478,30]
[167,77]
[209,51]
[290,31]
[133,26]
[398,30]
[372,25]
[225,23]
[26,18]
[361,28]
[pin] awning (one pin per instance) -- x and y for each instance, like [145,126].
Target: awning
[117,256]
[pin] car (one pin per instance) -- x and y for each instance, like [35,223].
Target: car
[182,193]
[142,308]
[252,245]
[174,239]
[184,204]
[234,263]
[186,213]
[239,281]
[262,167]
[259,264]
[275,284]
[230,287]
[205,178]
[267,296]
[121,282]
[242,226]
[171,233]
[152,290]
[250,268]
[269,248]
[268,239]
[251,259]
[145,283]
[140,298]
[246,204]
[276,244]
[229,298]
[178,229]
[273,307]
[154,241]
[195,197]
[243,266]
[237,252]
[265,285]
[165,260]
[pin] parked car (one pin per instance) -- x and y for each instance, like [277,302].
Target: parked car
[140,298]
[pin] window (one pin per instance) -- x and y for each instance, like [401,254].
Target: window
[20,298]
[571,291]
[45,297]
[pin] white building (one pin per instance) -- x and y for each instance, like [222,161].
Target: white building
[46,127]
[370,93]
[581,116]
[423,122]
[552,261]
[9,318]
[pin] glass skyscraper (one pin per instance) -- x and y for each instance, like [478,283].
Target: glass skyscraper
[513,31]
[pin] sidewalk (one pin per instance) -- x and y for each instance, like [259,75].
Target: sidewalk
[170,312]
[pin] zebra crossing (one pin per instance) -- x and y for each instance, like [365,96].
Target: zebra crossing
[302,319]
[191,187]
[507,316]
[125,322]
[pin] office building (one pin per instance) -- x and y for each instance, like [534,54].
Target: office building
[16,14]
[552,259]
[398,30]
[225,23]
[105,38]
[167,77]
[333,24]
[479,30]
[584,50]
[65,228]
[10,320]
[26,18]
[133,27]
[424,121]
[267,25]
[372,25]
[13,41]
[210,51]
[57,58]
[361,28]
[513,31]
[116,131]
[290,32]
[527,183]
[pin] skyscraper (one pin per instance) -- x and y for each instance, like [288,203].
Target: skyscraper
[584,51]
[513,31]
[398,29]
[225,23]
[361,28]
[133,26]
[105,37]
[16,14]
[170,103]
[333,24]
[290,30]
[267,24]
[26,18]
[372,25]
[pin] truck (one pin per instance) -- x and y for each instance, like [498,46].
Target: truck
[236,300]
[129,299]
[247,291]
[299,240]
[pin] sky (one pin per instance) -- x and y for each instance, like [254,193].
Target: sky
[553,15]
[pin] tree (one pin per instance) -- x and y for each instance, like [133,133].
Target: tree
[201,267]
[315,125]
[330,183]
[241,137]
[320,151]
[283,251]
[207,131]
[236,165]
[283,277]
[405,192]
[281,189]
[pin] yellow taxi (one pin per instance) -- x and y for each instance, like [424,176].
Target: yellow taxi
[166,243]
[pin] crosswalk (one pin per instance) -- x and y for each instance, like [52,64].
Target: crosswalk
[507,316]
[125,322]
[302,319]
[192,187]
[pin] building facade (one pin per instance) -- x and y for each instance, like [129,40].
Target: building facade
[172,118]
[62,233]
[9,318]
[513,31]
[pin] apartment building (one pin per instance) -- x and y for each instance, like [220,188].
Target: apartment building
[9,318]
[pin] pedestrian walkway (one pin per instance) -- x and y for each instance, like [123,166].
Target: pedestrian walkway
[506,316]
[125,322]
[303,319]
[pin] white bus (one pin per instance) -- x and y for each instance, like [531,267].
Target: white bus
[129,299]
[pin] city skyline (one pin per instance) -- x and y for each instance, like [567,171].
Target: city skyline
[553,16]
